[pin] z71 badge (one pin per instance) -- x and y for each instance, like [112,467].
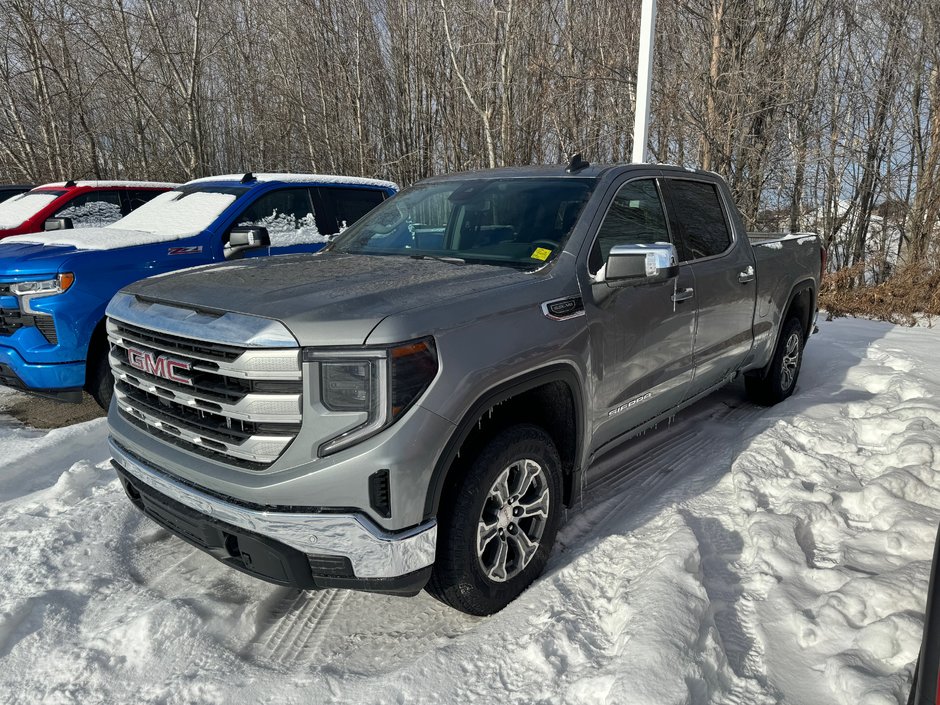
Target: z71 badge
[192,250]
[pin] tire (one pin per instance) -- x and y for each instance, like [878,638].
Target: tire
[780,379]
[483,507]
[100,381]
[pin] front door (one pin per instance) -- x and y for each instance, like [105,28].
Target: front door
[640,335]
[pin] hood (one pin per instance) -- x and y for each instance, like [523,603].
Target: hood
[27,259]
[107,238]
[81,248]
[331,299]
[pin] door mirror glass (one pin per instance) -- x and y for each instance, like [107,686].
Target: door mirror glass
[247,238]
[641,264]
[58,224]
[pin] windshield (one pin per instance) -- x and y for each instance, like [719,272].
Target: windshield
[520,222]
[17,210]
[181,212]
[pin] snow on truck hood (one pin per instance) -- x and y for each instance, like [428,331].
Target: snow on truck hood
[163,219]
[106,238]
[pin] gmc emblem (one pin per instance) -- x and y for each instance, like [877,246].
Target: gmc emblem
[159,365]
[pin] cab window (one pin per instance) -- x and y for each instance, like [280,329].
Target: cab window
[94,209]
[635,217]
[288,215]
[698,218]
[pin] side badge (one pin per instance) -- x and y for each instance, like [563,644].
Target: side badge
[191,250]
[630,404]
[561,309]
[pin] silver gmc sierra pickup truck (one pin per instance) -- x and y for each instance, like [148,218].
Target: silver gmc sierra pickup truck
[416,406]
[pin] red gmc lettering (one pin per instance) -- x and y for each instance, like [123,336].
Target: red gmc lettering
[159,365]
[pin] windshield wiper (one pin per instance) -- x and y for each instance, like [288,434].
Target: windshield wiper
[451,260]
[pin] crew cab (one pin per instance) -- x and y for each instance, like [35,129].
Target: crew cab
[416,405]
[74,204]
[54,286]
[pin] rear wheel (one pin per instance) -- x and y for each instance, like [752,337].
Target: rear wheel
[495,536]
[100,381]
[780,380]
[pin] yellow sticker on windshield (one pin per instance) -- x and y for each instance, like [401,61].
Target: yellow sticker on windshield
[540,253]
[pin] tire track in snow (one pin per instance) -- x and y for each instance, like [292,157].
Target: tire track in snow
[359,632]
[733,611]
[295,626]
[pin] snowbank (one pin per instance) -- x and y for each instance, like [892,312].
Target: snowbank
[742,555]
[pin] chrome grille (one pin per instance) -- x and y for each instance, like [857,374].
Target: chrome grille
[237,404]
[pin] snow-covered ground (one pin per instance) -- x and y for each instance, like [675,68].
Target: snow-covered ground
[743,555]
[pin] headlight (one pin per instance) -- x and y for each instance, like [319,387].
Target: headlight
[27,291]
[347,386]
[371,387]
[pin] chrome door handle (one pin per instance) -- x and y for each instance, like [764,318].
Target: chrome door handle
[747,275]
[682,295]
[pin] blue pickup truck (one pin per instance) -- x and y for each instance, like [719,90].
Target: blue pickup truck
[54,286]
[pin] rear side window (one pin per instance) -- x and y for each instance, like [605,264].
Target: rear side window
[350,204]
[94,209]
[697,218]
[635,217]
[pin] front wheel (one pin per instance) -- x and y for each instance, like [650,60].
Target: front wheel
[780,380]
[100,382]
[496,535]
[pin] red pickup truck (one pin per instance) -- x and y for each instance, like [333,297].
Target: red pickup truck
[74,204]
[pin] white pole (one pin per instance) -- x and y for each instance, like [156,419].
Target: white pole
[644,71]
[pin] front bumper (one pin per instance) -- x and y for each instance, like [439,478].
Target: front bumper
[62,381]
[301,550]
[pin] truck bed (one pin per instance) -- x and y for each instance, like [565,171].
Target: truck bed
[782,261]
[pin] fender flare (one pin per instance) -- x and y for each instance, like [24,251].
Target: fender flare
[797,289]
[556,372]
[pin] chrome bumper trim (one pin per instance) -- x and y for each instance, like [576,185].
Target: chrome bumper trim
[373,552]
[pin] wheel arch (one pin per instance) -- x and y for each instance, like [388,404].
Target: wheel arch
[802,301]
[550,397]
[97,344]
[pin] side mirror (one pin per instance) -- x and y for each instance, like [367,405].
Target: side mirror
[251,237]
[641,264]
[58,224]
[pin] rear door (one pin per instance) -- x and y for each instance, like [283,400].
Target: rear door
[722,265]
[640,337]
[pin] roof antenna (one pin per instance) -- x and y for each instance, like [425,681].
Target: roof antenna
[70,182]
[248,178]
[576,163]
